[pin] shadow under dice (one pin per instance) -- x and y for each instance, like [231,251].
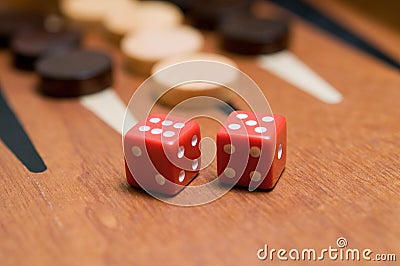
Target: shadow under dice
[162,153]
[251,149]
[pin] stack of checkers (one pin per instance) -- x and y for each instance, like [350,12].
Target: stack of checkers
[153,34]
[47,45]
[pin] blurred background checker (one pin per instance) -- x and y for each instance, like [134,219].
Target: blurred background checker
[30,45]
[120,18]
[75,73]
[184,5]
[208,14]
[245,34]
[86,11]
[12,22]
[181,93]
[145,48]
[131,16]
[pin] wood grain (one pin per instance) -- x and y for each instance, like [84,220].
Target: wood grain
[342,176]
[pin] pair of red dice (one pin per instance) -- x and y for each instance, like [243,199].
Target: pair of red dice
[162,153]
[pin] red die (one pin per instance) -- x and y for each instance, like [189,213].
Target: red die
[162,153]
[247,152]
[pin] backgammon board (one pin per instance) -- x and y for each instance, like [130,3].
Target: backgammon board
[342,176]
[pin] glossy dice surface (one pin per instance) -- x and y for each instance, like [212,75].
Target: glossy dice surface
[162,153]
[247,152]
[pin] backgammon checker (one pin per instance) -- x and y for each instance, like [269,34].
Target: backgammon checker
[208,14]
[32,44]
[12,22]
[145,48]
[181,93]
[127,17]
[85,11]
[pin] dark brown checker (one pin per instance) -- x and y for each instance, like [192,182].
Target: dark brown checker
[208,14]
[32,44]
[245,34]
[74,73]
[13,22]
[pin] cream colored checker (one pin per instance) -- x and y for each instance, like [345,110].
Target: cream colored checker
[132,16]
[157,14]
[196,89]
[117,19]
[146,47]
[85,10]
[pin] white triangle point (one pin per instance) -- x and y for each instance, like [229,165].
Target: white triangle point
[288,67]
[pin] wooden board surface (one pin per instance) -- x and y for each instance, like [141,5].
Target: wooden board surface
[342,177]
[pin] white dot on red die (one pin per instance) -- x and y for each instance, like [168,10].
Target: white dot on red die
[136,151]
[229,148]
[267,119]
[181,176]
[168,134]
[242,116]
[144,128]
[167,123]
[194,140]
[229,172]
[154,120]
[255,176]
[181,152]
[160,179]
[251,123]
[260,129]
[195,164]
[234,126]
[156,131]
[255,152]
[280,151]
[179,125]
